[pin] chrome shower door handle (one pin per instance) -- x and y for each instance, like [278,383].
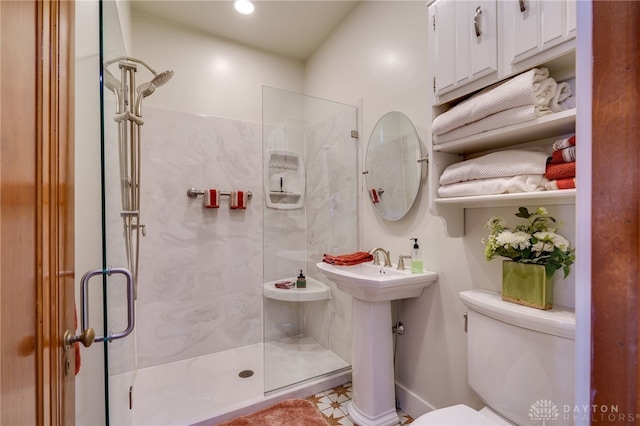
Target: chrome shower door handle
[84,297]
[476,21]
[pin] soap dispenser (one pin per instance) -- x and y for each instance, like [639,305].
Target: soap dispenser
[416,258]
[301,282]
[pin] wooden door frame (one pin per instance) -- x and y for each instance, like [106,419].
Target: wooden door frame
[55,123]
[55,209]
[36,201]
[615,213]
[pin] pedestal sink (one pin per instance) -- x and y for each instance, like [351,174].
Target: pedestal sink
[373,287]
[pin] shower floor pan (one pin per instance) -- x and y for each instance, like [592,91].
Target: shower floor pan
[213,388]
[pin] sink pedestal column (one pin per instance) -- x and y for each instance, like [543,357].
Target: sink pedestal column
[373,402]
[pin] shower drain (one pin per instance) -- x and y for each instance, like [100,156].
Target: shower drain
[245,373]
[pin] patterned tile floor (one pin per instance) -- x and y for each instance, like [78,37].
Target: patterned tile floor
[332,405]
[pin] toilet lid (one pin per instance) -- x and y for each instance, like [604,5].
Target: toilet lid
[456,415]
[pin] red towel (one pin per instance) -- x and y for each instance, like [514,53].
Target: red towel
[211,199]
[560,171]
[348,259]
[564,183]
[374,195]
[565,155]
[564,143]
[238,199]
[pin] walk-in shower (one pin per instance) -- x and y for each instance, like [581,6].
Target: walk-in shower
[203,319]
[128,116]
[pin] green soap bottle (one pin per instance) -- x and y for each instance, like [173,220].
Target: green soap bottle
[416,258]
[301,282]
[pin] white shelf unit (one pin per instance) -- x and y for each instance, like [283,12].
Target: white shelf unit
[442,155]
[544,127]
[558,56]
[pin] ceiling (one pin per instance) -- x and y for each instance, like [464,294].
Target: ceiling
[294,28]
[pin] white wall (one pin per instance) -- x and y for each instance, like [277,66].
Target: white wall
[379,53]
[212,76]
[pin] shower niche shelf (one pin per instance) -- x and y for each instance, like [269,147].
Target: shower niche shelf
[284,180]
[315,290]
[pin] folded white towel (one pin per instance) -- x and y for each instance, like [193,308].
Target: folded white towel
[492,186]
[569,103]
[512,162]
[563,92]
[533,87]
[495,121]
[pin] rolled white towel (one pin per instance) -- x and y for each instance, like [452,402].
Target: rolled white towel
[529,88]
[563,92]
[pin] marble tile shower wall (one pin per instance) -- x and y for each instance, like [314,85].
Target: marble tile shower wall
[201,270]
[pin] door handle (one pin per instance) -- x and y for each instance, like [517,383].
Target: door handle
[87,337]
[523,6]
[87,332]
[476,21]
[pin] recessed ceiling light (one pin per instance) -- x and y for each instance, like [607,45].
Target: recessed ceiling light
[243,6]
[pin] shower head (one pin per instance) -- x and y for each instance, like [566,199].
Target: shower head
[146,89]
[162,78]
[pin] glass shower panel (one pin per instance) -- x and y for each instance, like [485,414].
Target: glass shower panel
[310,188]
[119,355]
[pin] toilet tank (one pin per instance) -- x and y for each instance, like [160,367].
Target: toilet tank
[520,359]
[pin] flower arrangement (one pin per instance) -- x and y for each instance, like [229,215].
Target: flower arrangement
[535,242]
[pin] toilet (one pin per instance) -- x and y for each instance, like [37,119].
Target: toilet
[520,362]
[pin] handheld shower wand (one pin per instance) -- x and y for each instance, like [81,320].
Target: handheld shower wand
[129,119]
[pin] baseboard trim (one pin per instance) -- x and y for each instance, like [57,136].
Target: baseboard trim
[411,403]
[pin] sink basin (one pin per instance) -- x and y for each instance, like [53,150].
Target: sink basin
[375,283]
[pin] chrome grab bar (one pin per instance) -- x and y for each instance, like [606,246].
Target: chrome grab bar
[194,193]
[84,297]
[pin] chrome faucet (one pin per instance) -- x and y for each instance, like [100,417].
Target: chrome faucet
[401,261]
[376,259]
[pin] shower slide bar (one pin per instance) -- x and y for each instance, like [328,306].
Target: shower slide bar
[128,116]
[193,193]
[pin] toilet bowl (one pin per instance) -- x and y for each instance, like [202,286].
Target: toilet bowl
[461,415]
[509,345]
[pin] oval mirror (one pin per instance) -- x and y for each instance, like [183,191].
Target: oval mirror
[392,165]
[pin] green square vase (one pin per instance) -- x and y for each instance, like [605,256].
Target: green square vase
[527,284]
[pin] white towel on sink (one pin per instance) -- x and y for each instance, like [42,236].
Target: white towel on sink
[533,87]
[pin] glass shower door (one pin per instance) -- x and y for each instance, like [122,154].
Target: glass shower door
[108,368]
[310,162]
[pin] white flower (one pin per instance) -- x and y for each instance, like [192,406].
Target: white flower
[518,240]
[551,250]
[547,241]
[541,211]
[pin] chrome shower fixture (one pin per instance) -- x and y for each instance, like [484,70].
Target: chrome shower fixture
[128,116]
